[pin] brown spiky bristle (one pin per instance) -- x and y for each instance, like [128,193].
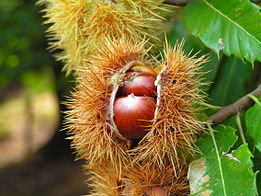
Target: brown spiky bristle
[88,116]
[103,179]
[115,54]
[149,180]
[136,180]
[79,27]
[171,134]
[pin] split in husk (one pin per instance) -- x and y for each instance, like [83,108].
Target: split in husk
[93,135]
[172,132]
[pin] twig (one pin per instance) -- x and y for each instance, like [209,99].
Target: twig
[238,120]
[213,107]
[177,2]
[230,110]
[254,99]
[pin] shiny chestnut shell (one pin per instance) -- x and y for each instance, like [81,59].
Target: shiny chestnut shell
[132,115]
[139,84]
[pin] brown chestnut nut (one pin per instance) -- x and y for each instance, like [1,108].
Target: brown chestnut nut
[140,84]
[132,114]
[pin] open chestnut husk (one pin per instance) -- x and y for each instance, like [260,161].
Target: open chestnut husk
[134,103]
[169,135]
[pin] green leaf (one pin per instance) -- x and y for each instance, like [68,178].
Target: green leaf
[231,83]
[232,26]
[253,124]
[178,33]
[219,172]
[211,68]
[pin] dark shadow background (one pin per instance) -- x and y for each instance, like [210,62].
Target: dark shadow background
[28,71]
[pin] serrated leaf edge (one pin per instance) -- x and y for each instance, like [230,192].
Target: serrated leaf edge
[231,21]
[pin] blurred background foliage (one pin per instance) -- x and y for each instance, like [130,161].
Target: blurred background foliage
[23,44]
[32,87]
[35,157]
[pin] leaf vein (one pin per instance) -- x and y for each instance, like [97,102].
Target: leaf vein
[218,158]
[239,26]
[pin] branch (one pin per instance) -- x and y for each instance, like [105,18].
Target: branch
[230,110]
[177,2]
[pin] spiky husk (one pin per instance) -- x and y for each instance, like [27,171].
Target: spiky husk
[104,179]
[91,132]
[171,136]
[137,180]
[169,143]
[79,27]
[140,180]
